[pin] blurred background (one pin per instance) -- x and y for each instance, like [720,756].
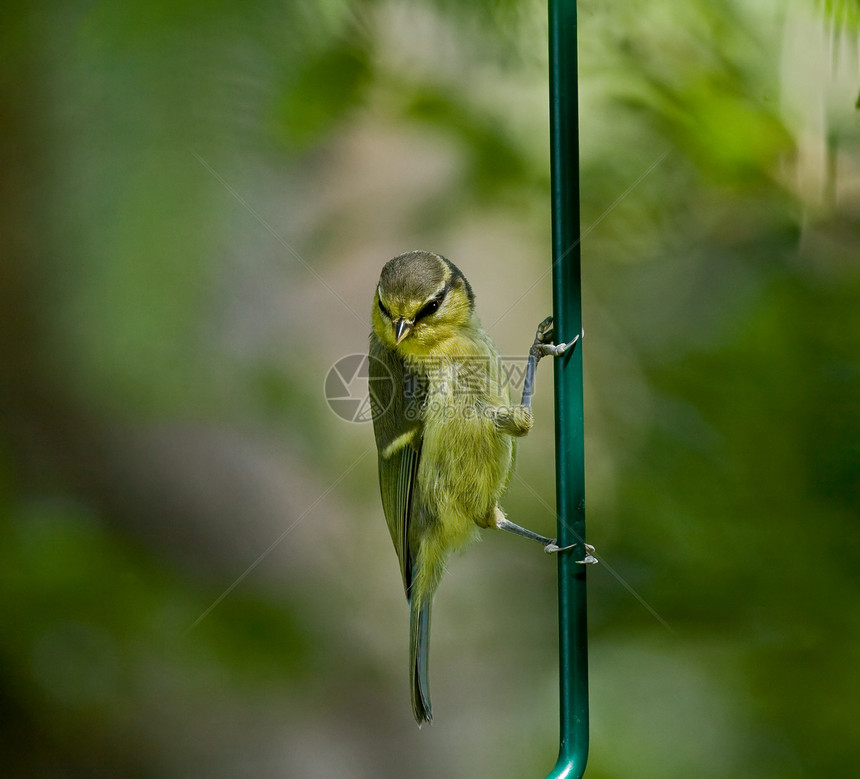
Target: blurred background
[195,202]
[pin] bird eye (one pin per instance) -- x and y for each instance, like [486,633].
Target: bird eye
[428,309]
[384,310]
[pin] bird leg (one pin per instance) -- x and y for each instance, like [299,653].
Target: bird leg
[549,544]
[541,347]
[518,420]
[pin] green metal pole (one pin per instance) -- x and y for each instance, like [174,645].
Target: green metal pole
[569,432]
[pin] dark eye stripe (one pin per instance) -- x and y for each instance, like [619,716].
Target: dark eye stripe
[428,308]
[383,309]
[431,306]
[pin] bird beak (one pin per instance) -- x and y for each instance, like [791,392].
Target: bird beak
[402,328]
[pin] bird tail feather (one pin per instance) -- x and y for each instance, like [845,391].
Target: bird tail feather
[419,660]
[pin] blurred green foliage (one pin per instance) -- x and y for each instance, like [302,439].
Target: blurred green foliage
[196,198]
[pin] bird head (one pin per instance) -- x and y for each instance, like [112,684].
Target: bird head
[421,301]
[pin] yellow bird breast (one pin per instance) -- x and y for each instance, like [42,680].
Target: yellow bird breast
[466,459]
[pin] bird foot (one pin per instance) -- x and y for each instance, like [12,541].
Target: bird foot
[543,345]
[553,548]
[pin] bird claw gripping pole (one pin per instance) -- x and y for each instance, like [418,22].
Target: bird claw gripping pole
[543,346]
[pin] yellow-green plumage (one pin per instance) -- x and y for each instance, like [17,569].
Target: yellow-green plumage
[444,427]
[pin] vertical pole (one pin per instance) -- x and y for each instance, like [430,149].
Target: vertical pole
[569,432]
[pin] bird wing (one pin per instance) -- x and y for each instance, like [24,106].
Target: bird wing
[395,395]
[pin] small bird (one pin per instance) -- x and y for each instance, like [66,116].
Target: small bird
[445,429]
